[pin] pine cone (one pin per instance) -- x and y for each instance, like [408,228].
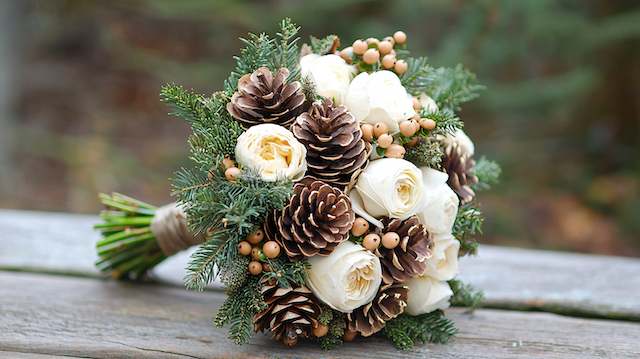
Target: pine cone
[317,219]
[263,97]
[388,304]
[459,167]
[336,152]
[409,258]
[291,313]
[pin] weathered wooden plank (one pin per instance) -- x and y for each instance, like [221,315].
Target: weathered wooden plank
[511,278]
[85,317]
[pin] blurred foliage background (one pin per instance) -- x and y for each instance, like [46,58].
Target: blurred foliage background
[79,109]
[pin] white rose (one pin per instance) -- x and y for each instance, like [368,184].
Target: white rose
[427,103]
[330,74]
[388,187]
[379,97]
[427,294]
[440,202]
[347,278]
[462,140]
[273,152]
[443,264]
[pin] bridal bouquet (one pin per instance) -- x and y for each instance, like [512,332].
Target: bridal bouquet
[332,192]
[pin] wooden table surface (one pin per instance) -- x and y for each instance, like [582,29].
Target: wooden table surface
[53,303]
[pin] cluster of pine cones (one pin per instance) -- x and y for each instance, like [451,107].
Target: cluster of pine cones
[319,216]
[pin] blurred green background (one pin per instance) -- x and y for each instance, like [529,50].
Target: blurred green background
[79,109]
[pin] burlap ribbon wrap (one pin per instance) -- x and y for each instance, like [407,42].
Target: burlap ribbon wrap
[169,225]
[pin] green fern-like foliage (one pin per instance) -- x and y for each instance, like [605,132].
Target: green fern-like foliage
[467,226]
[465,295]
[405,331]
[488,173]
[238,311]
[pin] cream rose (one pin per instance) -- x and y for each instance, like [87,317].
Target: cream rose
[273,152]
[440,202]
[330,74]
[379,97]
[389,187]
[347,278]
[443,264]
[462,140]
[427,294]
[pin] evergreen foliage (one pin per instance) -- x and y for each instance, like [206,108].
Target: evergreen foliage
[426,153]
[238,310]
[405,331]
[322,46]
[467,226]
[465,295]
[488,173]
[336,323]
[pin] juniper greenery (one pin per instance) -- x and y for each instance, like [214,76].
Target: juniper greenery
[465,295]
[405,331]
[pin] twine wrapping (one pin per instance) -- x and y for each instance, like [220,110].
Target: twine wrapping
[169,225]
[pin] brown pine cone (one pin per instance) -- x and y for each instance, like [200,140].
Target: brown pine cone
[263,97]
[388,304]
[336,152]
[459,167]
[409,258]
[291,313]
[317,219]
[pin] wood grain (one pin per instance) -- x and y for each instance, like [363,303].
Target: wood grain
[85,317]
[585,285]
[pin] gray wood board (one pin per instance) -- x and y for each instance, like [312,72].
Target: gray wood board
[579,284]
[86,317]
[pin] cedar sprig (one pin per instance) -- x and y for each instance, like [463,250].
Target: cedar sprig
[467,226]
[416,78]
[405,331]
[426,153]
[465,295]
[335,320]
[238,310]
[287,273]
[322,46]
[451,86]
[488,173]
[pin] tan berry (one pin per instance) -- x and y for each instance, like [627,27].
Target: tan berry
[413,142]
[359,47]
[388,61]
[367,132]
[390,39]
[244,248]
[390,240]
[400,37]
[232,173]
[400,67]
[371,56]
[349,335]
[321,330]
[385,47]
[373,41]
[256,237]
[228,162]
[271,249]
[380,128]
[416,104]
[347,54]
[371,241]
[255,268]
[415,124]
[427,123]
[385,140]
[256,253]
[407,128]
[395,151]
[360,227]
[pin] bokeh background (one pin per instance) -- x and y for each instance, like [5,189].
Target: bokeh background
[79,109]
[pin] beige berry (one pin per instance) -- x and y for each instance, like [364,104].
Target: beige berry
[373,41]
[416,104]
[390,240]
[349,335]
[256,253]
[359,47]
[244,248]
[400,67]
[380,128]
[255,267]
[415,124]
[395,151]
[347,54]
[371,56]
[400,37]
[407,128]
[256,237]
[320,331]
[390,39]
[385,140]
[360,227]
[232,173]
[228,163]
[271,249]
[427,124]
[385,47]
[371,241]
[367,132]
[388,61]
[413,142]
